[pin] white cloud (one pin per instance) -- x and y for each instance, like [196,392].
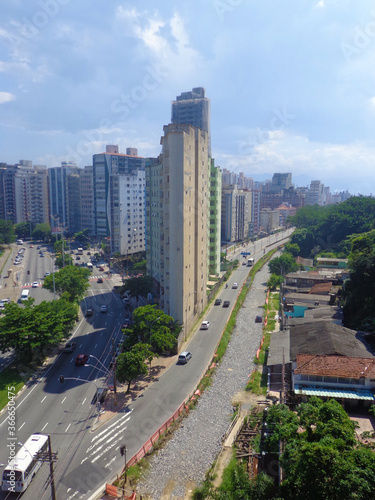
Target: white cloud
[6,97]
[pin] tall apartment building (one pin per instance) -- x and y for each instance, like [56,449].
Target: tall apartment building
[87,199]
[281,182]
[193,108]
[316,194]
[235,213]
[177,204]
[255,212]
[7,192]
[24,193]
[61,180]
[215,220]
[118,199]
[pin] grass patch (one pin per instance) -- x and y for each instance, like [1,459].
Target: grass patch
[258,383]
[9,378]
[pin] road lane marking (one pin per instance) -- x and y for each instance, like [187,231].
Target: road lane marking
[84,400]
[63,400]
[115,424]
[21,426]
[66,430]
[45,426]
[43,399]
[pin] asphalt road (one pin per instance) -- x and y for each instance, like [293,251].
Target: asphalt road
[86,459]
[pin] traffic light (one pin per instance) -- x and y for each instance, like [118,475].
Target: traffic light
[61,378]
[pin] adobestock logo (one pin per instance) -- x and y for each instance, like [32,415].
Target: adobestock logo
[222,7]
[278,121]
[362,37]
[32,25]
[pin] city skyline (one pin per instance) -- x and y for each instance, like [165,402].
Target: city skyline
[290,88]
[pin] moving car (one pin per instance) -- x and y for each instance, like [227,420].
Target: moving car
[100,280]
[35,284]
[226,303]
[89,312]
[70,346]
[205,325]
[235,285]
[82,359]
[103,308]
[46,274]
[258,319]
[184,357]
[217,302]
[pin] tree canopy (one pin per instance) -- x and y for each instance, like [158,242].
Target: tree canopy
[7,234]
[321,457]
[71,282]
[132,364]
[138,286]
[29,328]
[323,228]
[359,290]
[152,326]
[280,266]
[41,231]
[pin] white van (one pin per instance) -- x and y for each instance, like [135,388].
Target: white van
[19,242]
[25,294]
[89,265]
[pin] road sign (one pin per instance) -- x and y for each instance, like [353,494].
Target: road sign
[245,253]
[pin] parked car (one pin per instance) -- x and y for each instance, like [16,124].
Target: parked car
[101,268]
[184,357]
[217,302]
[70,346]
[226,303]
[78,257]
[258,319]
[81,359]
[103,308]
[205,325]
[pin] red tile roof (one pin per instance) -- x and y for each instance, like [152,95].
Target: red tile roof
[335,366]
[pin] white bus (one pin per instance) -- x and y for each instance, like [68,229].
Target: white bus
[25,294]
[20,471]
[250,262]
[80,251]
[89,265]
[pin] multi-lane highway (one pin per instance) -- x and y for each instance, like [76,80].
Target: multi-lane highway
[87,458]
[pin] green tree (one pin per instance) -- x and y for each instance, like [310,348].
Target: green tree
[152,326]
[70,281]
[138,286]
[7,234]
[23,230]
[283,265]
[30,328]
[292,248]
[359,290]
[132,364]
[41,231]
[63,260]
[274,281]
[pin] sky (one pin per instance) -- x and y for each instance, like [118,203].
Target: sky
[291,83]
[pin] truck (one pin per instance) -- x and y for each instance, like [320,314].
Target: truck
[250,262]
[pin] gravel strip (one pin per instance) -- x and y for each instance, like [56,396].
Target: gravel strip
[196,443]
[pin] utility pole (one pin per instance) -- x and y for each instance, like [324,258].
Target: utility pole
[48,456]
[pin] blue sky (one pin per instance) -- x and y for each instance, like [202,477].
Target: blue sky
[291,83]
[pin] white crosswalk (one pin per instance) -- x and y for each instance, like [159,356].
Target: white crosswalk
[107,439]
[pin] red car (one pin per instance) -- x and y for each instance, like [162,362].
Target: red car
[81,359]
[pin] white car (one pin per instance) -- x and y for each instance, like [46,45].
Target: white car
[103,308]
[235,285]
[205,325]
[35,284]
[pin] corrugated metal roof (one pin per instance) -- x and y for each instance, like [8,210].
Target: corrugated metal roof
[325,337]
[331,392]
